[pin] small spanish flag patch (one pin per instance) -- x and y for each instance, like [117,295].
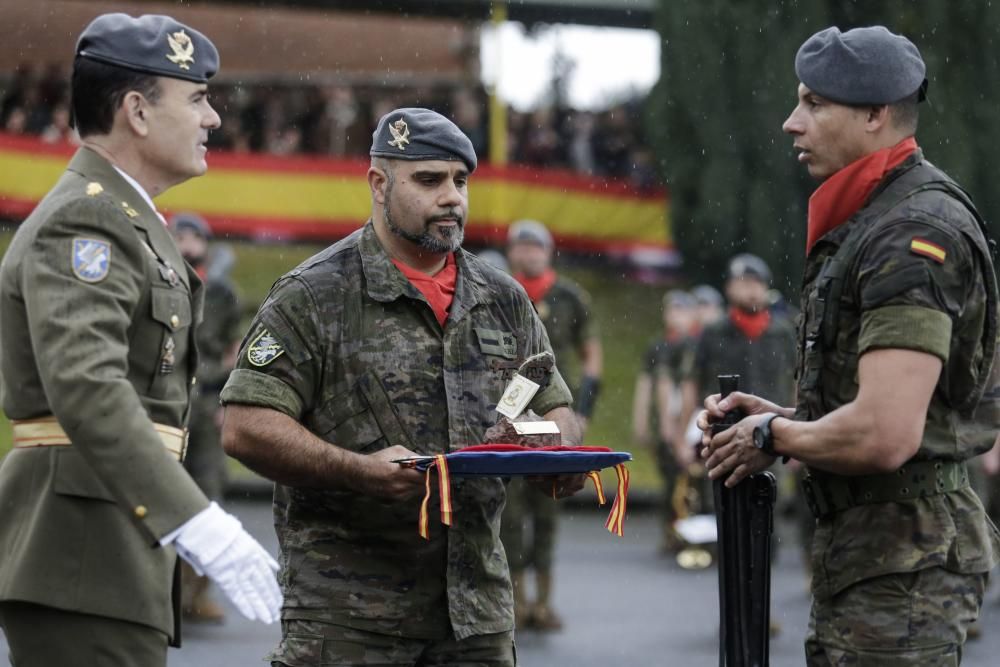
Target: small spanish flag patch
[919,246]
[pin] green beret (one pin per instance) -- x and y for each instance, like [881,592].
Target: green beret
[153,44]
[861,66]
[421,134]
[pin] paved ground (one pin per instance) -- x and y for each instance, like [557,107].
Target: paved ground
[623,605]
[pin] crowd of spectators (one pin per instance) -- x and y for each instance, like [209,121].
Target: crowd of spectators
[337,120]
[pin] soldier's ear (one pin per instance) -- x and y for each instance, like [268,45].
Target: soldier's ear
[378,183]
[133,109]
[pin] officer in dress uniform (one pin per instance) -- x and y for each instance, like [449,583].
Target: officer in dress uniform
[97,317]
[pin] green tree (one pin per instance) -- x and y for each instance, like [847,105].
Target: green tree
[728,83]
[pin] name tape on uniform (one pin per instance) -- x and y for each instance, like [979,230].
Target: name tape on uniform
[516,397]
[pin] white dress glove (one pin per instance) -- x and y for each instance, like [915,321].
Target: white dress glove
[215,544]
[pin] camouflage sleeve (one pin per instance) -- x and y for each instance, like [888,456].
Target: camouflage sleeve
[557,393]
[914,281]
[279,362]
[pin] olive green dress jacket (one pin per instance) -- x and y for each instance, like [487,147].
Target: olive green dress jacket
[97,310]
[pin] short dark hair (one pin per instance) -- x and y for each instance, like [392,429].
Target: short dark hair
[906,113]
[98,89]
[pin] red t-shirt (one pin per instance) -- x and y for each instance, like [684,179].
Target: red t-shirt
[439,289]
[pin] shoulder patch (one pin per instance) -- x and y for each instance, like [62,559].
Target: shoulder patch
[264,349]
[925,248]
[91,259]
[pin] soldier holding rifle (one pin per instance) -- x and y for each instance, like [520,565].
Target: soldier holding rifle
[896,342]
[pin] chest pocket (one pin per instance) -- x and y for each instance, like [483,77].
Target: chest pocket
[171,309]
[361,419]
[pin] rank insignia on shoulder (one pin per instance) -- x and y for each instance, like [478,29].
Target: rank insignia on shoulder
[91,259]
[925,248]
[94,188]
[129,211]
[264,349]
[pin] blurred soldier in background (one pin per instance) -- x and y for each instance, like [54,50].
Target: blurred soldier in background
[749,341]
[528,529]
[218,337]
[710,306]
[657,410]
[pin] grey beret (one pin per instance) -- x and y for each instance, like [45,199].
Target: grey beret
[676,298]
[529,231]
[706,295]
[746,265]
[861,66]
[191,222]
[153,44]
[421,134]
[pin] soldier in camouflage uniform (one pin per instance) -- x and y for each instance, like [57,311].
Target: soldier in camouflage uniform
[390,343]
[898,332]
[530,519]
[657,407]
[217,336]
[748,341]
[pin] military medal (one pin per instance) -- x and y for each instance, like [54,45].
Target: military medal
[167,359]
[167,273]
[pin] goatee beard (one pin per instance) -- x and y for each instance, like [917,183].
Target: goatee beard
[453,236]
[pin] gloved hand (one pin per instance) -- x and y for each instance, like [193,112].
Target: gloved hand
[215,545]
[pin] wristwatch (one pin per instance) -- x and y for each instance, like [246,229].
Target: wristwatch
[763,438]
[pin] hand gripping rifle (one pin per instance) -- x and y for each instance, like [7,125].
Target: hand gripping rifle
[744,516]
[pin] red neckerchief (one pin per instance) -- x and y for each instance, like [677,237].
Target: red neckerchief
[753,325]
[538,286]
[439,289]
[840,196]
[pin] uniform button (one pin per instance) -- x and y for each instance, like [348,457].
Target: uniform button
[140,511]
[175,321]
[194,381]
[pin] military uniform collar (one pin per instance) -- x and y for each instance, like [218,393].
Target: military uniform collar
[912,160]
[93,167]
[138,188]
[384,282]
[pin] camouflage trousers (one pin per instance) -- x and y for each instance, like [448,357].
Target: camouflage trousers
[528,527]
[896,620]
[307,643]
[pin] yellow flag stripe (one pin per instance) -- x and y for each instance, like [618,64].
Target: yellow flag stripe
[932,250]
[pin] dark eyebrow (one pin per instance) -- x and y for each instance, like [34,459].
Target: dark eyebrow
[200,92]
[429,173]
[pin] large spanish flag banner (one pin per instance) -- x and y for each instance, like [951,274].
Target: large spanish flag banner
[302,198]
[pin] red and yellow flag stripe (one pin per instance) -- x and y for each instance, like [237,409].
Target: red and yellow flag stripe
[616,520]
[444,495]
[303,198]
[927,248]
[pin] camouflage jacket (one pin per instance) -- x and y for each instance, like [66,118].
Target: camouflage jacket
[920,279]
[347,346]
[766,365]
[565,312]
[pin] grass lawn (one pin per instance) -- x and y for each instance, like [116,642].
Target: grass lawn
[628,315]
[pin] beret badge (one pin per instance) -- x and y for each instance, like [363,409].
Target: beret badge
[400,134]
[183,50]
